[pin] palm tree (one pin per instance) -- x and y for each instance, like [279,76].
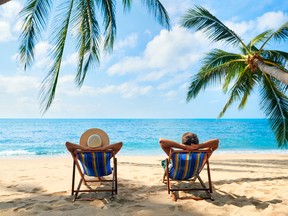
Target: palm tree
[79,16]
[253,68]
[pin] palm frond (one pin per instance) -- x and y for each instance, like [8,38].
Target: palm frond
[274,104]
[218,57]
[108,12]
[241,89]
[88,39]
[217,65]
[49,83]
[127,4]
[157,9]
[282,33]
[277,57]
[203,79]
[279,35]
[235,67]
[259,38]
[201,19]
[35,18]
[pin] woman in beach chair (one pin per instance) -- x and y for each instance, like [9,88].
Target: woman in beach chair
[93,161]
[186,162]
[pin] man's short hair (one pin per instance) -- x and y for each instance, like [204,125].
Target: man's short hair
[189,138]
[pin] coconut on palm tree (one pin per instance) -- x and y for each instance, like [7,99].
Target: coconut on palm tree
[81,17]
[253,67]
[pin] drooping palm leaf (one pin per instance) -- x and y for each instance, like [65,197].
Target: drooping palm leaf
[49,84]
[279,35]
[259,38]
[201,19]
[83,15]
[215,68]
[242,88]
[157,9]
[275,56]
[109,19]
[275,105]
[35,18]
[126,4]
[88,39]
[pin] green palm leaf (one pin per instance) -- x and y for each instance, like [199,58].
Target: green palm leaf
[242,88]
[259,38]
[217,65]
[49,84]
[126,4]
[108,12]
[35,19]
[82,14]
[279,35]
[275,56]
[157,9]
[88,39]
[274,103]
[201,19]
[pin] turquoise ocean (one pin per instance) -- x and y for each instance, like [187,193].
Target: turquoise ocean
[47,137]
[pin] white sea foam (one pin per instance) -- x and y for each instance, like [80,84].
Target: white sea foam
[15,153]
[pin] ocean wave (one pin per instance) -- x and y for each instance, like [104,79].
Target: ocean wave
[16,153]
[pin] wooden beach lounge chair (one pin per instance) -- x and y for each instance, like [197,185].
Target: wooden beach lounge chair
[186,166]
[93,165]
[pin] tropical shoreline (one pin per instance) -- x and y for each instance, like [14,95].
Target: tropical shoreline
[241,183]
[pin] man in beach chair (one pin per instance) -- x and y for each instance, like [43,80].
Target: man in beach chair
[93,161]
[186,163]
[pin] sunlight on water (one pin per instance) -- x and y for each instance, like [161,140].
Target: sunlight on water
[40,137]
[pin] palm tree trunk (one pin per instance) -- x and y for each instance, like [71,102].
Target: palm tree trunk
[4,1]
[272,71]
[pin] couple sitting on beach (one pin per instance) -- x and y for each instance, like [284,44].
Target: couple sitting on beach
[190,142]
[95,151]
[97,138]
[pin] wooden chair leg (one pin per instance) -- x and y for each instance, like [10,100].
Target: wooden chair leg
[78,188]
[73,178]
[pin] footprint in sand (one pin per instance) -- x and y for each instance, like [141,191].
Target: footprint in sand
[35,190]
[12,186]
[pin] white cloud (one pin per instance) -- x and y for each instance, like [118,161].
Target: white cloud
[6,33]
[249,29]
[169,51]
[42,58]
[18,84]
[177,80]
[71,59]
[127,65]
[271,20]
[170,95]
[10,10]
[8,21]
[128,90]
[129,41]
[152,76]
[241,28]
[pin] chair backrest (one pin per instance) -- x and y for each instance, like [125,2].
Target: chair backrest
[187,164]
[95,163]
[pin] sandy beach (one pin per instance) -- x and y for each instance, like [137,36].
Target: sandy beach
[244,184]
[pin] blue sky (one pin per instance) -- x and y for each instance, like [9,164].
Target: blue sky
[147,74]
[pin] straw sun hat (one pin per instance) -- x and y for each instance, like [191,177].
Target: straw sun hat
[94,137]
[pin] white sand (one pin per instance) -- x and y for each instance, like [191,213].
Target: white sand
[244,184]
